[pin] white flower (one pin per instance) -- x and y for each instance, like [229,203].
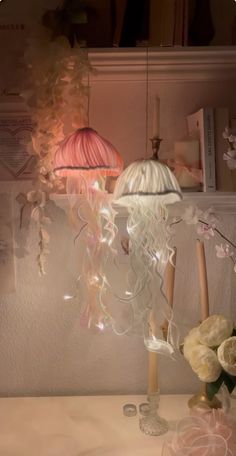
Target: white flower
[214,330]
[227,355]
[37,197]
[190,341]
[191,215]
[204,363]
[231,153]
[210,216]
[232,138]
[230,159]
[226,133]
[223,251]
[206,230]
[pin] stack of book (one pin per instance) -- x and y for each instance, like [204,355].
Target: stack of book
[208,125]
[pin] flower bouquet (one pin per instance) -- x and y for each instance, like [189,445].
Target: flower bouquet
[210,349]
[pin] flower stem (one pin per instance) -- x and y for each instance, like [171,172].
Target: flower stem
[220,234]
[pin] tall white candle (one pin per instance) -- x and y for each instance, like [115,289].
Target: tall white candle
[203,285]
[152,362]
[156,118]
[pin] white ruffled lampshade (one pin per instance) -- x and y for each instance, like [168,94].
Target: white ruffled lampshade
[148,179]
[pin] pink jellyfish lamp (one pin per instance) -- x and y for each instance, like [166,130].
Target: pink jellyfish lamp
[86,159]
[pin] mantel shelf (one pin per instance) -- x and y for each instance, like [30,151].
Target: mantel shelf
[177,64]
[221,202]
[218,201]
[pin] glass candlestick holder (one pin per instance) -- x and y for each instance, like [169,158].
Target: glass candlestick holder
[151,423]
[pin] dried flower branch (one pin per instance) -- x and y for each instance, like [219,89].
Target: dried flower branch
[38,201]
[205,223]
[56,89]
[56,92]
[230,155]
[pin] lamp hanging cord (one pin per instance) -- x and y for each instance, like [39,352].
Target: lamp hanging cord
[88,96]
[147,95]
[155,140]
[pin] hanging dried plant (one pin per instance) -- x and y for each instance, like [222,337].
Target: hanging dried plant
[56,90]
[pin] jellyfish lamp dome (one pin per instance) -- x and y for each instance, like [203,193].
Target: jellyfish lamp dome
[87,155]
[149,181]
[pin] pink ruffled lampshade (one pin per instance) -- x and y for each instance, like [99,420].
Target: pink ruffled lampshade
[85,151]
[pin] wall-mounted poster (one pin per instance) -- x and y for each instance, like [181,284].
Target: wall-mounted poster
[7,263]
[15,132]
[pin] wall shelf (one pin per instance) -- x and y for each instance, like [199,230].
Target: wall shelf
[220,202]
[223,202]
[177,64]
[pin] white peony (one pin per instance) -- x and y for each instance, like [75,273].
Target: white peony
[204,363]
[190,341]
[214,330]
[227,355]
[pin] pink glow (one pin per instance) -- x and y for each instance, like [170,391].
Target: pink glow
[85,150]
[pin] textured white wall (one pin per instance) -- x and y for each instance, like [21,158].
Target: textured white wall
[43,350]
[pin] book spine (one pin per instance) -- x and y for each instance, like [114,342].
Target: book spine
[179,22]
[120,13]
[208,152]
[185,23]
[168,23]
[155,22]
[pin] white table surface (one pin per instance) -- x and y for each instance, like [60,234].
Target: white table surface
[80,426]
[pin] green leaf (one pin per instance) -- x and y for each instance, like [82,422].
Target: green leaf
[230,381]
[213,387]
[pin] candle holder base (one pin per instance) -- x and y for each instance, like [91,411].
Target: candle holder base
[201,400]
[156,142]
[152,423]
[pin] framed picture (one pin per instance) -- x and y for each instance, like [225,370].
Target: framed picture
[15,132]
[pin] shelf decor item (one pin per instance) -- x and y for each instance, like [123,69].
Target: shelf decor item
[202,29]
[186,164]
